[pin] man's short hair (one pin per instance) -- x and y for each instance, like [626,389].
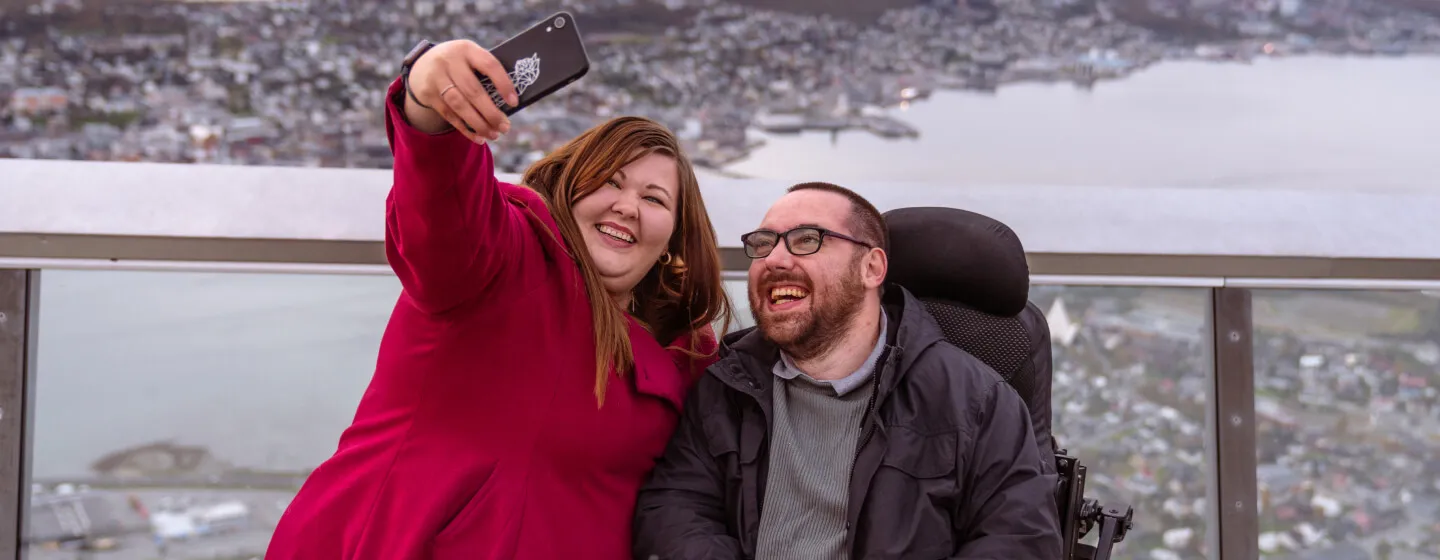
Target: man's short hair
[864,221]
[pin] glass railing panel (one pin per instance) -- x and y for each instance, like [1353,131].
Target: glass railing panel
[163,398]
[166,395]
[1347,398]
[1131,383]
[740,302]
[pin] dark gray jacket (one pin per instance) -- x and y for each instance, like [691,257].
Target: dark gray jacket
[947,466]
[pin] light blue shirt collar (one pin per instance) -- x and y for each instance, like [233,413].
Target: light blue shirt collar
[786,369]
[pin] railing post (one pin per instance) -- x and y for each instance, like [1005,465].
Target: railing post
[1233,357]
[19,308]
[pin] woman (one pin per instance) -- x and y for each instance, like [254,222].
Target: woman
[516,406]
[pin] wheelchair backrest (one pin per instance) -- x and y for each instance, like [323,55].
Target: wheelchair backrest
[971,273]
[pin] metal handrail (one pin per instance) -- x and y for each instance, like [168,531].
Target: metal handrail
[149,216]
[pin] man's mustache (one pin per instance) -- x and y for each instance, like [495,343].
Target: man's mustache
[770,279]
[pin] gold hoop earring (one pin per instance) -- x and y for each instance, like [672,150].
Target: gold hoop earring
[675,265]
[665,258]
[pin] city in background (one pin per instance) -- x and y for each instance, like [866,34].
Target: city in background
[200,401]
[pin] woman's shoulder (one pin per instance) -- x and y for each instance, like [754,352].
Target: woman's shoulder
[701,340]
[532,204]
[695,350]
[522,195]
[705,341]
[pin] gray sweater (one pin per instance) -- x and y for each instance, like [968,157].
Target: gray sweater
[815,433]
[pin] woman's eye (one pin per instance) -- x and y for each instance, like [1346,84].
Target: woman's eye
[655,199]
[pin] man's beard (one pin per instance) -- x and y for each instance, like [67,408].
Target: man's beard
[805,334]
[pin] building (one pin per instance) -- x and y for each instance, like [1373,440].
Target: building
[30,101]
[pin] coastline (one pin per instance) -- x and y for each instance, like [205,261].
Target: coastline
[797,123]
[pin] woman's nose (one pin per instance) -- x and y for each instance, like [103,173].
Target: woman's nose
[626,205]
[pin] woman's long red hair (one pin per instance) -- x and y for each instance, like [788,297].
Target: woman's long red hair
[671,300]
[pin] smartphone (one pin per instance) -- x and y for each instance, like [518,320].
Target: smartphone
[541,60]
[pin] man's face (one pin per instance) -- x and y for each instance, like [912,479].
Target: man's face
[805,303]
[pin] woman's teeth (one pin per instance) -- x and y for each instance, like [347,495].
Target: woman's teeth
[617,234]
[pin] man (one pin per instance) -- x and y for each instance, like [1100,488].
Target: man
[843,425]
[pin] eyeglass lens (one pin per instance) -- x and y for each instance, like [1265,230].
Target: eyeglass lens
[799,241]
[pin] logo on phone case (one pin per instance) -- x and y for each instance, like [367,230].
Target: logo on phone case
[526,71]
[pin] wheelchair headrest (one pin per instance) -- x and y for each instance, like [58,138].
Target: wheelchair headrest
[971,274]
[958,256]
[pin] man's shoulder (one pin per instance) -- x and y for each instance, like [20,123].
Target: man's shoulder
[966,390]
[710,382]
[945,367]
[711,393]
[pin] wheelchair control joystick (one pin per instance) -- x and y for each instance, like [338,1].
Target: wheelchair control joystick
[1080,515]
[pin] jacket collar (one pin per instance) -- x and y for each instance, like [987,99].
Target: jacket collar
[746,356]
[917,330]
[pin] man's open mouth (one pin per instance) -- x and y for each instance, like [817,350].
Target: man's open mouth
[787,294]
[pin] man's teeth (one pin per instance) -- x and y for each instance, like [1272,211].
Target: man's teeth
[779,295]
[617,234]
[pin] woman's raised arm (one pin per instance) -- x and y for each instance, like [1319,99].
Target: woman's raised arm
[449,229]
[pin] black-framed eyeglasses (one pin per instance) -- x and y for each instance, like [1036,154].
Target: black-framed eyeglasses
[805,240]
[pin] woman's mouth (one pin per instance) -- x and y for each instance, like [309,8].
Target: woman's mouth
[616,234]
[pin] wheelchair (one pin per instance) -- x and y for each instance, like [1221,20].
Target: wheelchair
[970,271]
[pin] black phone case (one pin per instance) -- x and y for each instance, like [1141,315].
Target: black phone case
[540,60]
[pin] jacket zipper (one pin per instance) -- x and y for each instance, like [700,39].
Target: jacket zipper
[866,420]
[869,428]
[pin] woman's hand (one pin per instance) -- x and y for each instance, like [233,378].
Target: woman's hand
[444,80]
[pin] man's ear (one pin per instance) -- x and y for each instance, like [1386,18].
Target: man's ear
[877,265]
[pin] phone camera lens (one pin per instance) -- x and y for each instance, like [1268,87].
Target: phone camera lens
[559,23]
